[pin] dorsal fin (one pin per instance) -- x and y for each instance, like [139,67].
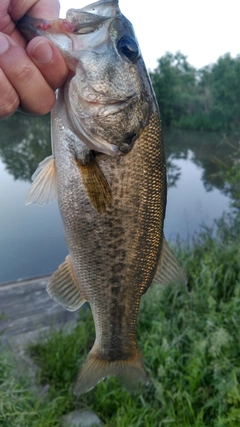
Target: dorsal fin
[44,187]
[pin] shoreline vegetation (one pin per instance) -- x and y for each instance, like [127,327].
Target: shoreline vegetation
[190,343]
[190,336]
[203,99]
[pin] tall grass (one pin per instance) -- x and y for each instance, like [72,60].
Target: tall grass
[190,341]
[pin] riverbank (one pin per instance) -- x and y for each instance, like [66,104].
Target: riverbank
[29,314]
[190,343]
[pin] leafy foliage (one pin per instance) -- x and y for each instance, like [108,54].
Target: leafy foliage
[198,99]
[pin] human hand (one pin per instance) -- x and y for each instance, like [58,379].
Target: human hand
[28,73]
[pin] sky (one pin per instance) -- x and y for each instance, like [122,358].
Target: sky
[202,30]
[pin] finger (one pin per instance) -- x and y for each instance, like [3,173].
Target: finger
[35,95]
[49,61]
[46,9]
[9,97]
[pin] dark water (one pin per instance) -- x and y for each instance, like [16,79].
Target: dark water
[31,237]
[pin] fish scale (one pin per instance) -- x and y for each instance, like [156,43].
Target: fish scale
[108,173]
[125,241]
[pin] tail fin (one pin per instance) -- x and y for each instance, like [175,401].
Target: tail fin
[131,372]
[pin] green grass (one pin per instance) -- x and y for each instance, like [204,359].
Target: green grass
[190,340]
[19,405]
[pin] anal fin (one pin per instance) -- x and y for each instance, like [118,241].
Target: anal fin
[44,186]
[168,269]
[95,184]
[64,288]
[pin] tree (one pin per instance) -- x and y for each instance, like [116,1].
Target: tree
[174,82]
[208,98]
[164,81]
[225,91]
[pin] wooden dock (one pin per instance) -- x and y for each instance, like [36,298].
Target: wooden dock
[29,313]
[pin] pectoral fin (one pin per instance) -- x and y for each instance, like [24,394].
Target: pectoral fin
[44,186]
[63,287]
[169,269]
[95,184]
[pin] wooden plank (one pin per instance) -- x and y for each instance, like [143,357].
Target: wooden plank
[27,307]
[30,315]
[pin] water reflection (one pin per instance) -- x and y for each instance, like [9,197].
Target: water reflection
[210,151]
[31,238]
[24,142]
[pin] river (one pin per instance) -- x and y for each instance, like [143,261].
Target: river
[31,237]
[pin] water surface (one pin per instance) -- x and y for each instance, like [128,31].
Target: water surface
[31,237]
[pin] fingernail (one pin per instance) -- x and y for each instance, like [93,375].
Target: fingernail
[42,52]
[4,44]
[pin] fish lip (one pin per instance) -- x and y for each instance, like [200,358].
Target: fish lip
[109,108]
[113,106]
[94,144]
[108,105]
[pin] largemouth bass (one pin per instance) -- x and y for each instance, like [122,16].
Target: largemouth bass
[108,173]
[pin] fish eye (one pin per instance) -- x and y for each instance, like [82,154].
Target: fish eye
[128,47]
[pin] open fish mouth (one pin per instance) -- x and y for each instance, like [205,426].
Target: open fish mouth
[78,21]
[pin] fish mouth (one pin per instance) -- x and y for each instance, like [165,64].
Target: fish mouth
[101,109]
[115,107]
[109,108]
[94,142]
